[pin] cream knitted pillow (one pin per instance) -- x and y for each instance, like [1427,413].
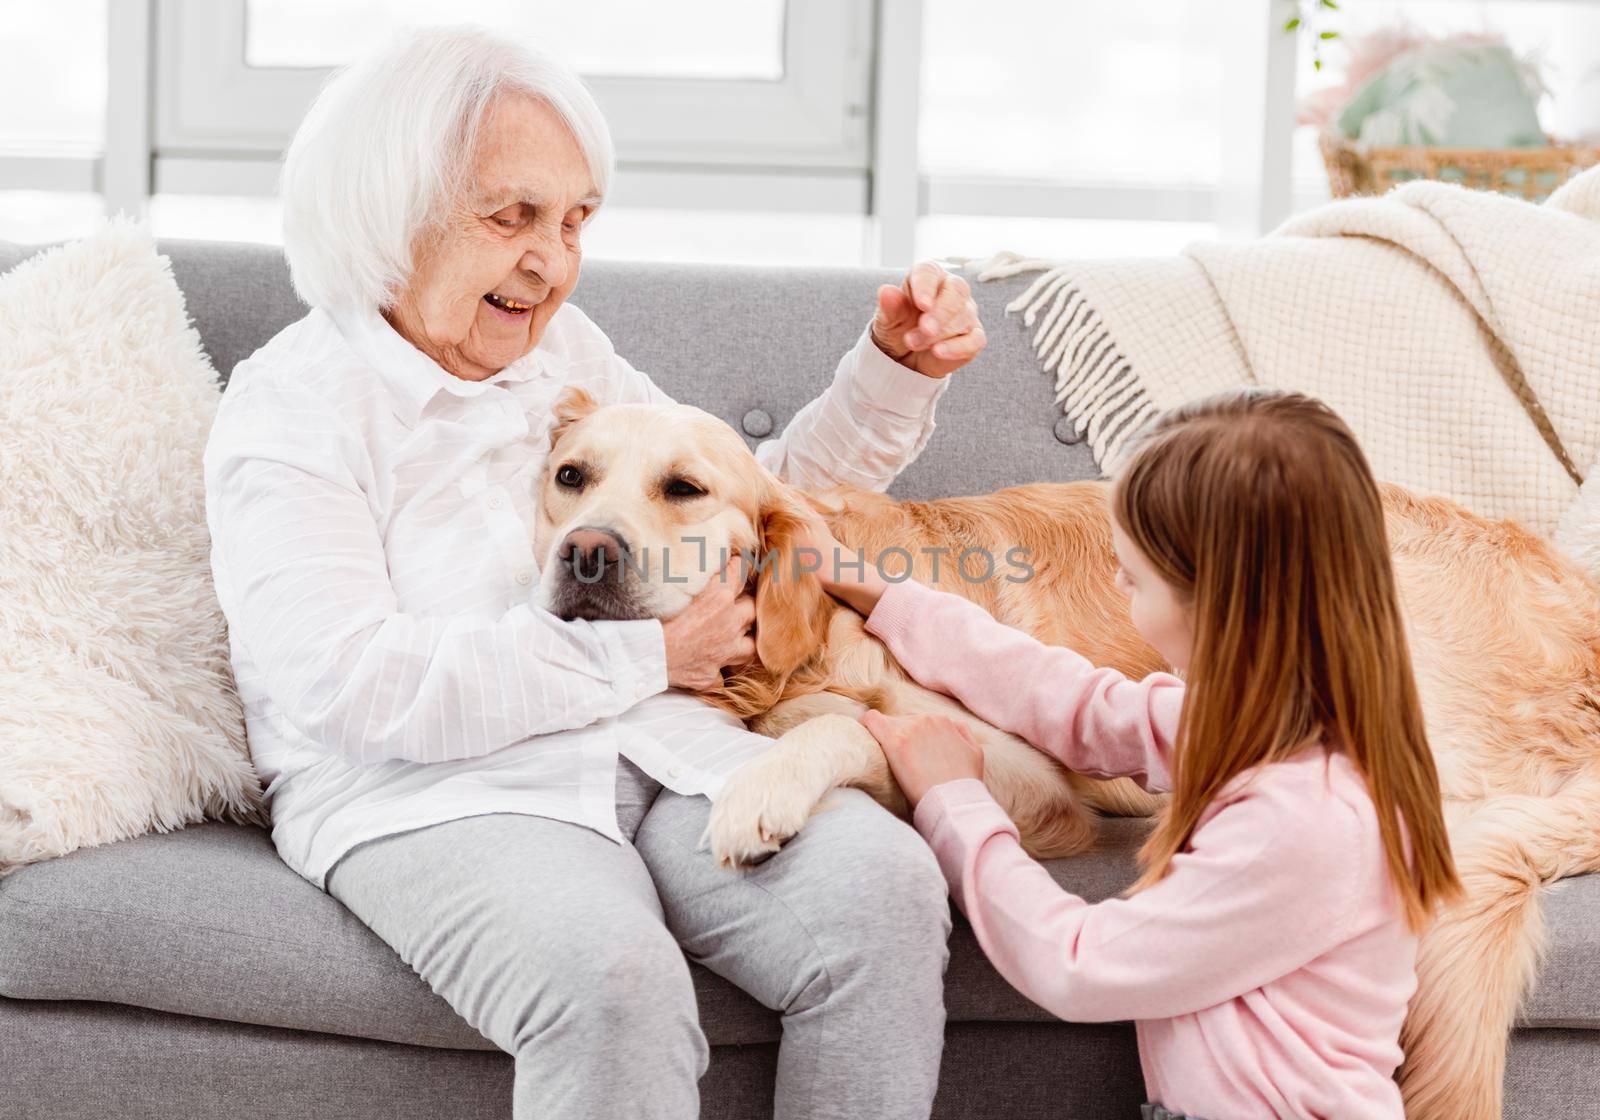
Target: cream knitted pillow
[118,713]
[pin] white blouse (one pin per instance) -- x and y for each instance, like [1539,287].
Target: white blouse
[372,519]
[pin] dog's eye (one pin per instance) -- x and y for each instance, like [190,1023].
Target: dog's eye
[569,476]
[683,488]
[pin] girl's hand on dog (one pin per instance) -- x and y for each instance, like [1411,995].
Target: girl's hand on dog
[859,587]
[925,750]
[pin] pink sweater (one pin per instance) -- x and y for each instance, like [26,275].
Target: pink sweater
[1268,973]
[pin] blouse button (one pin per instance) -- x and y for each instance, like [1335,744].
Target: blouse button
[674,771]
[757,423]
[496,502]
[524,577]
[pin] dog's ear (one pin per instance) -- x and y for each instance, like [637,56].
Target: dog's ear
[571,406]
[792,609]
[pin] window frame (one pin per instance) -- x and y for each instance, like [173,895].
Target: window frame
[187,117]
[210,103]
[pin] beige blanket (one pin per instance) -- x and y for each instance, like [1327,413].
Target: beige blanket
[1457,332]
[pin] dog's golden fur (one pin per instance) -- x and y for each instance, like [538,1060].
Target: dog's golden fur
[1505,640]
[1505,637]
[818,659]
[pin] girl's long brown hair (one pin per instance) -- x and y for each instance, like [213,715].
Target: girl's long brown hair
[1259,508]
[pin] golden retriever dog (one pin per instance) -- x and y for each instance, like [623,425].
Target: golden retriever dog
[1504,633]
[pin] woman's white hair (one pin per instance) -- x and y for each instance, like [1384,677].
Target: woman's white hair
[384,149]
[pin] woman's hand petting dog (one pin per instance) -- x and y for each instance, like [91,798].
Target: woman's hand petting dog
[713,631]
[925,750]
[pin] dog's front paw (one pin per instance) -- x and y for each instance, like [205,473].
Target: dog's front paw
[758,809]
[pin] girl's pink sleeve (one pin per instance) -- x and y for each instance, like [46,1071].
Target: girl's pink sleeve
[1095,720]
[1266,886]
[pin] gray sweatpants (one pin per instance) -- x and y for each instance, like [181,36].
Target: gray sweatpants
[563,948]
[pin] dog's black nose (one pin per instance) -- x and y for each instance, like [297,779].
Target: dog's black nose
[591,553]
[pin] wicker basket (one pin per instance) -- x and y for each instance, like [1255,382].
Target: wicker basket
[1530,173]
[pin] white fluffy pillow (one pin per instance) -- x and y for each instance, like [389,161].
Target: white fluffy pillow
[118,713]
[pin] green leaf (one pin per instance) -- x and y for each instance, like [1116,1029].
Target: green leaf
[1292,24]
[1330,4]
[1316,64]
[1329,35]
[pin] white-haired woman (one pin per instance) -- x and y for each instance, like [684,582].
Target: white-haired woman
[479,781]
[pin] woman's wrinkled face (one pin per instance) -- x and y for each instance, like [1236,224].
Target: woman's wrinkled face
[1158,614]
[486,284]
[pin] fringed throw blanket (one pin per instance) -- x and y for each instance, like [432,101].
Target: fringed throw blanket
[1457,332]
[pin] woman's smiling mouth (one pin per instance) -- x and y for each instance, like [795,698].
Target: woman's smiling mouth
[507,305]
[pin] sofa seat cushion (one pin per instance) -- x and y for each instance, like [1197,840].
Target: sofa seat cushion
[208,921]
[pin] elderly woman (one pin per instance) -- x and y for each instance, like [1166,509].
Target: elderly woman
[479,781]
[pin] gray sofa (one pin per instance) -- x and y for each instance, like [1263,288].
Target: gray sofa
[193,975]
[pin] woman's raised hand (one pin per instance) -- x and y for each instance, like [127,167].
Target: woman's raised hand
[930,322]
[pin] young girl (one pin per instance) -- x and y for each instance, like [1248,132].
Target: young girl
[1268,950]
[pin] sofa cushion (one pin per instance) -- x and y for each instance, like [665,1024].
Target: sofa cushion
[208,921]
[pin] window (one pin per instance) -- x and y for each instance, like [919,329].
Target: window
[47,215]
[1125,93]
[207,217]
[53,85]
[982,235]
[714,105]
[803,110]
[1069,129]
[717,39]
[727,236]
[52,118]
[776,131]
